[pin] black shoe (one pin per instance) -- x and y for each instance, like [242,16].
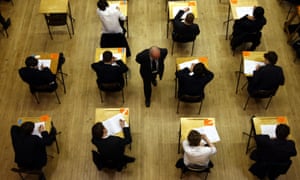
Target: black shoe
[147,103]
[7,24]
[130,159]
[154,82]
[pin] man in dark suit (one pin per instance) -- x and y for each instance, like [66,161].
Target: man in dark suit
[278,150]
[267,77]
[30,150]
[34,76]
[186,30]
[109,70]
[193,81]
[111,149]
[151,63]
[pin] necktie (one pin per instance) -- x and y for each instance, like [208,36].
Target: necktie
[154,68]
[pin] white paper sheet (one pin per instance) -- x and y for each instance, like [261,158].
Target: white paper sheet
[242,11]
[44,62]
[188,64]
[211,133]
[113,124]
[269,130]
[36,128]
[118,56]
[176,9]
[250,66]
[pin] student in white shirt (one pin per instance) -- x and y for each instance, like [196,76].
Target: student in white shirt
[195,151]
[111,17]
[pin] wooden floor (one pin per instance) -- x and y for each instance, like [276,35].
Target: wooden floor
[154,129]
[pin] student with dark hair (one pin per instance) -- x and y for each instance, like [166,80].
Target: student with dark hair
[267,77]
[248,29]
[195,152]
[272,150]
[186,30]
[110,70]
[193,81]
[111,149]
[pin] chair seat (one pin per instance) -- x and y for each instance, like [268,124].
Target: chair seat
[189,98]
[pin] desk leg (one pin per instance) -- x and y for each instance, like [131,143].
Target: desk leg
[176,86]
[167,29]
[71,17]
[228,16]
[63,81]
[127,26]
[239,76]
[250,135]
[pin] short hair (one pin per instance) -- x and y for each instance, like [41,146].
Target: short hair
[102,4]
[282,131]
[194,138]
[258,12]
[97,130]
[271,56]
[199,69]
[190,18]
[31,61]
[107,56]
[27,128]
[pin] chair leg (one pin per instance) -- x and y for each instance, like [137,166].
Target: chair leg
[268,103]
[36,98]
[57,97]
[69,31]
[62,78]
[178,106]
[123,96]
[200,107]
[291,7]
[246,103]
[49,31]
[193,48]
[206,174]
[182,174]
[173,46]
[21,176]
[57,147]
[101,96]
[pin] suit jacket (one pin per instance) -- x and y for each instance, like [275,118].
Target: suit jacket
[112,148]
[267,77]
[183,32]
[30,150]
[192,84]
[143,58]
[36,77]
[246,26]
[108,73]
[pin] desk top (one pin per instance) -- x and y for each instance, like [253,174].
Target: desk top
[258,121]
[189,123]
[122,4]
[256,57]
[53,57]
[53,6]
[100,51]
[181,60]
[234,4]
[103,114]
[182,4]
[43,118]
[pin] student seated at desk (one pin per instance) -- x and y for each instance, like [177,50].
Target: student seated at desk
[268,151]
[195,152]
[186,30]
[30,150]
[111,148]
[109,70]
[267,77]
[193,81]
[248,29]
[34,76]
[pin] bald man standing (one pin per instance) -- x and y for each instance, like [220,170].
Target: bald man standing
[152,64]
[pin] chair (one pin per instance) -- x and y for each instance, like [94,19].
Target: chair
[242,41]
[261,94]
[195,168]
[61,61]
[115,40]
[190,99]
[57,20]
[22,171]
[111,87]
[182,38]
[108,164]
[47,88]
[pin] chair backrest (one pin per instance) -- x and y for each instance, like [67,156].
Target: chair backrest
[263,93]
[110,87]
[189,98]
[113,40]
[43,88]
[183,38]
[197,168]
[56,19]
[277,168]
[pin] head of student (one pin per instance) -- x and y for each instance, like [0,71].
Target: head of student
[102,4]
[194,138]
[27,128]
[199,69]
[189,19]
[107,56]
[98,130]
[31,61]
[271,57]
[155,52]
[258,12]
[282,131]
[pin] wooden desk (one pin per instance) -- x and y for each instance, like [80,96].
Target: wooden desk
[104,113]
[180,4]
[180,60]
[123,5]
[100,51]
[44,118]
[256,123]
[233,6]
[52,56]
[257,56]
[189,123]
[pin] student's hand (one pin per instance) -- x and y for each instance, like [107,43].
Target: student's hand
[251,18]
[257,67]
[186,9]
[42,66]
[192,67]
[122,123]
[118,8]
[204,137]
[41,128]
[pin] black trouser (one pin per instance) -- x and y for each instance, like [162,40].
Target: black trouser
[147,86]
